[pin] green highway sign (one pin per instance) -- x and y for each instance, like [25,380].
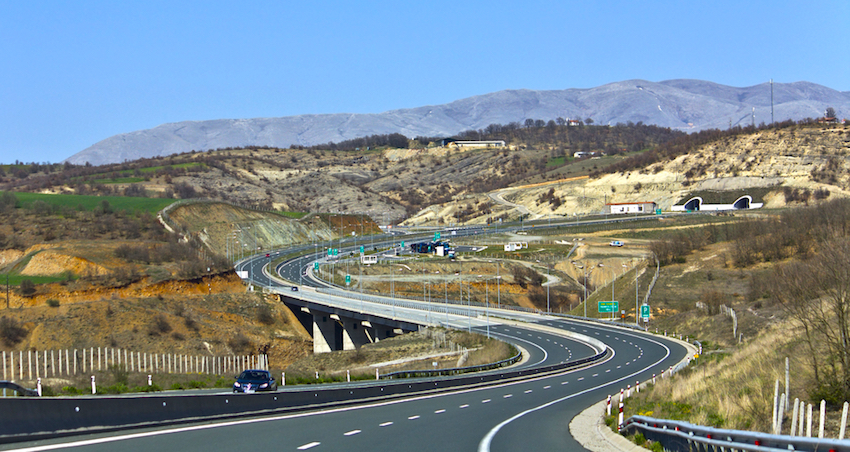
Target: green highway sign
[362,249]
[336,251]
[644,312]
[436,236]
[402,243]
[608,307]
[347,280]
[315,265]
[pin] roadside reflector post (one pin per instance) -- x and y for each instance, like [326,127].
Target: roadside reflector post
[283,378]
[608,406]
[93,387]
[38,387]
[348,376]
[150,381]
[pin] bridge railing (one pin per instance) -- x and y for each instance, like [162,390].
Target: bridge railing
[676,436]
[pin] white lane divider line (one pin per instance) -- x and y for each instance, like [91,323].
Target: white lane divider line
[564,382]
[580,378]
[528,391]
[309,445]
[485,401]
[507,396]
[466,405]
[439,411]
[385,424]
[607,370]
[351,433]
[410,418]
[595,375]
[547,386]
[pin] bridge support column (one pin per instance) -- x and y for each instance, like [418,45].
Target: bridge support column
[353,334]
[324,333]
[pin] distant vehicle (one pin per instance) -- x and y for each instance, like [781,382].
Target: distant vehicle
[294,288]
[268,255]
[616,243]
[254,380]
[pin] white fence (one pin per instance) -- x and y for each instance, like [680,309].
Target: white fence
[31,365]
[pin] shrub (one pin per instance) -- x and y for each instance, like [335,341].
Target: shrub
[265,315]
[11,331]
[53,303]
[240,343]
[160,325]
[27,288]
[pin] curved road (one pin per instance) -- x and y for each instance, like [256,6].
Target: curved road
[531,414]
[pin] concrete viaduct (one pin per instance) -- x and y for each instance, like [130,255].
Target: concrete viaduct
[335,328]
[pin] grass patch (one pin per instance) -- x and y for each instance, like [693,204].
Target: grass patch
[90,203]
[15,279]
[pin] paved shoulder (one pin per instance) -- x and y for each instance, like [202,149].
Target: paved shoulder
[589,429]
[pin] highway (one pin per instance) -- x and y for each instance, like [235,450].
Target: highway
[532,413]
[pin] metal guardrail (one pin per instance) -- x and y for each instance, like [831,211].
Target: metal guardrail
[22,391]
[679,436]
[452,371]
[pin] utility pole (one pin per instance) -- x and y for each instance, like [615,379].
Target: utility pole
[771,102]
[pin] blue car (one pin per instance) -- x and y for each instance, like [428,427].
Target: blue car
[254,380]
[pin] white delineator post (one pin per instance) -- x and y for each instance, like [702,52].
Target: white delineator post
[620,417]
[780,414]
[843,427]
[628,391]
[653,378]
[608,406]
[637,387]
[283,378]
[93,387]
[149,380]
[38,387]
[822,418]
[377,376]
[348,376]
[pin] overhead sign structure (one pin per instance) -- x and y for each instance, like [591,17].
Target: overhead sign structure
[608,307]
[644,312]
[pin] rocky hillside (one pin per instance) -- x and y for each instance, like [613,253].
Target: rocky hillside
[787,166]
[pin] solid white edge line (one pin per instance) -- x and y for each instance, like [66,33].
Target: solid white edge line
[484,445]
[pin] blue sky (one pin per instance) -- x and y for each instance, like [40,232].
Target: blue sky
[76,72]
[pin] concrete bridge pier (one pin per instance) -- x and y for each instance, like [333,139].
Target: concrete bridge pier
[324,333]
[354,334]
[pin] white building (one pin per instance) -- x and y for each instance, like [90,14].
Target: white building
[630,207]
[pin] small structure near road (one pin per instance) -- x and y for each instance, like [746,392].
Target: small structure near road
[630,207]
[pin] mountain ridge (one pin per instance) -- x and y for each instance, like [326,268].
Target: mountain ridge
[684,104]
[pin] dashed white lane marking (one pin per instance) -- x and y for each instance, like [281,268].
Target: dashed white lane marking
[528,391]
[581,378]
[439,411]
[607,370]
[410,418]
[547,387]
[385,424]
[464,406]
[564,382]
[595,375]
[309,445]
[353,432]
[507,396]
[485,401]
[619,367]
